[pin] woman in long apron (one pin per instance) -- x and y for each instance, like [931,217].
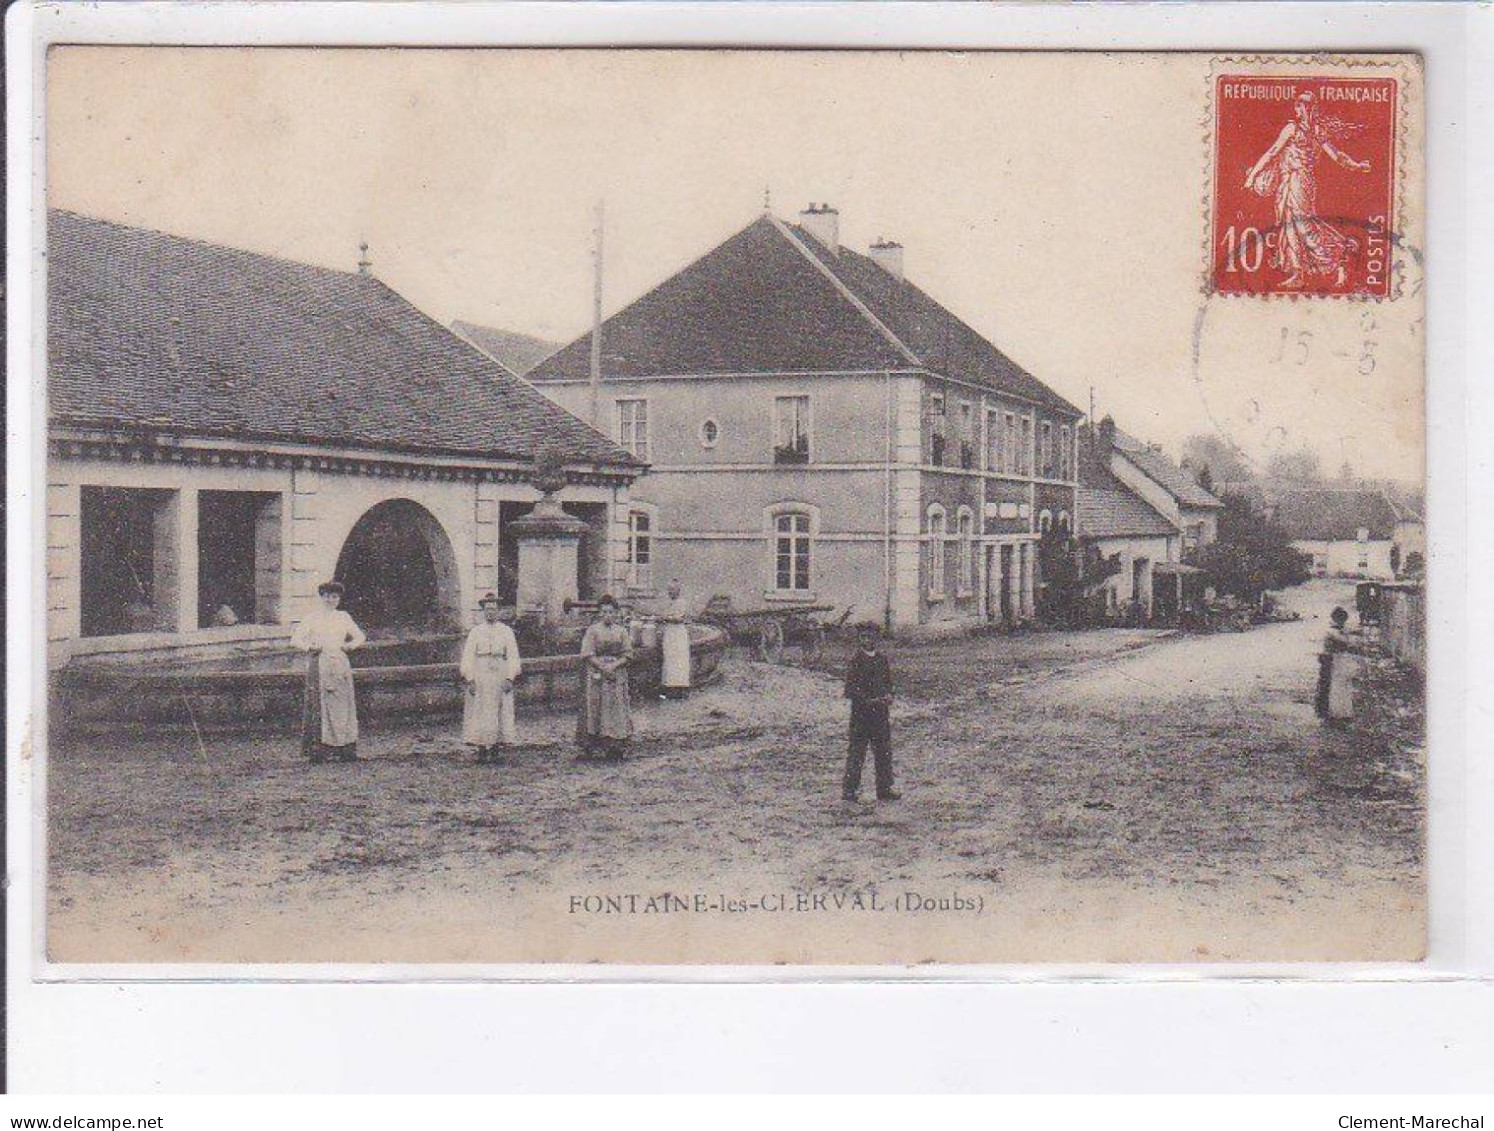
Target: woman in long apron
[329,709]
[490,665]
[675,682]
[1339,648]
[605,723]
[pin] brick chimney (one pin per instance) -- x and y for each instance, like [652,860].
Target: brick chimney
[823,223]
[888,255]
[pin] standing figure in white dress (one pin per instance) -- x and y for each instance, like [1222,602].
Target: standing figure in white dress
[329,711]
[1343,650]
[675,683]
[490,665]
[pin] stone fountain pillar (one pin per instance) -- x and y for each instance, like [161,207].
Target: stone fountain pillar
[549,545]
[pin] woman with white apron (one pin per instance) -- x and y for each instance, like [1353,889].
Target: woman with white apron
[675,683]
[490,665]
[329,710]
[1339,647]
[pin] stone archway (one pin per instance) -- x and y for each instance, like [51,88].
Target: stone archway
[400,571]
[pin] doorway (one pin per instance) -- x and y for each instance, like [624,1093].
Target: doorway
[1006,611]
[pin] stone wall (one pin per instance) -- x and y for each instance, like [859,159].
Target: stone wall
[1403,624]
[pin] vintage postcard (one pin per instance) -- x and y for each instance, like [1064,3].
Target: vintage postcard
[640,507]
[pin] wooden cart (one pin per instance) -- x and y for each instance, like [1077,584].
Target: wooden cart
[768,631]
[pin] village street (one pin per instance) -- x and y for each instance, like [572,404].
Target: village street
[1105,795]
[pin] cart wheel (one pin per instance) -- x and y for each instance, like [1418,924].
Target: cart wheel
[814,645]
[770,642]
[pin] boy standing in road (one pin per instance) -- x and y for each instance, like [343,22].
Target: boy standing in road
[869,688]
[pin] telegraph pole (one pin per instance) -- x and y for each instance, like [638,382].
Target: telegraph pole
[596,323]
[1094,434]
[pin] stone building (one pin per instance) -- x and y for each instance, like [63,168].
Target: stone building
[1169,489]
[226,430]
[821,431]
[1132,547]
[1347,531]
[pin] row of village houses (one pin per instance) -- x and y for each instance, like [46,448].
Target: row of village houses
[783,421]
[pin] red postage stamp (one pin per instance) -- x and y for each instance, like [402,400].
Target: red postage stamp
[1304,185]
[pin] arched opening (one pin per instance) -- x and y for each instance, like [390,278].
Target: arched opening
[400,571]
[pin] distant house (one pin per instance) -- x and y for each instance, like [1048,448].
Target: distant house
[226,430]
[1348,531]
[821,431]
[1132,549]
[1409,544]
[518,353]
[1171,489]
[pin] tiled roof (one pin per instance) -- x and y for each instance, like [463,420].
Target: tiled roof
[1162,471]
[771,299]
[1332,514]
[1322,512]
[152,329]
[1107,507]
[752,305]
[940,339]
[1117,512]
[518,353]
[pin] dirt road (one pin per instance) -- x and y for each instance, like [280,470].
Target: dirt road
[1090,796]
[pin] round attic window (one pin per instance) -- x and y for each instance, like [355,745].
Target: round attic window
[710,432]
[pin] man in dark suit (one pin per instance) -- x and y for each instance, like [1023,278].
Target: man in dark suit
[869,688]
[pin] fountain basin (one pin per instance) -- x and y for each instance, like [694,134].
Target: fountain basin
[405,679]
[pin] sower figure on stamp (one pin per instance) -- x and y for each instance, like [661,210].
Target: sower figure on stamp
[1306,243]
[490,665]
[869,688]
[329,711]
[605,724]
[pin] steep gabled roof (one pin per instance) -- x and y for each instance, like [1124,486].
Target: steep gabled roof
[1110,509]
[772,300]
[518,353]
[940,340]
[1118,512]
[1163,472]
[149,329]
[1332,514]
[754,304]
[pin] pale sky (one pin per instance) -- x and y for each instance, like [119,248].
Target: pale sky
[1058,203]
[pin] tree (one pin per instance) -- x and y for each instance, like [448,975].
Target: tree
[1252,554]
[1226,463]
[1059,567]
[1301,465]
